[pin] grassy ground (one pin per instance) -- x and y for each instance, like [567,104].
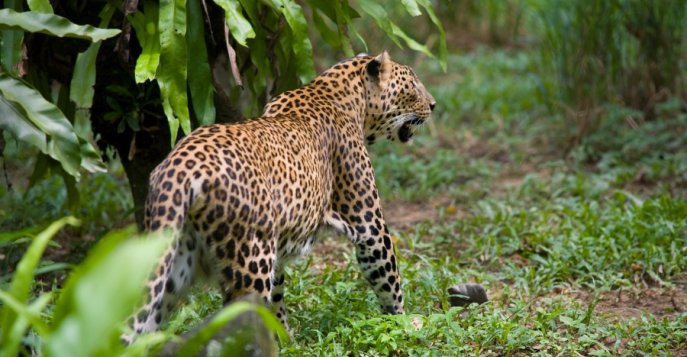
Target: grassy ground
[582,248]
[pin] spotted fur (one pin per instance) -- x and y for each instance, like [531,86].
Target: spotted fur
[243,199]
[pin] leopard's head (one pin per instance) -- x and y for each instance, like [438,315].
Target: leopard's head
[397,102]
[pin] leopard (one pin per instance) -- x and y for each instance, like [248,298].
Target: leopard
[241,200]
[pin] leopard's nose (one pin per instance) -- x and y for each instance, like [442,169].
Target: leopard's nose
[432,105]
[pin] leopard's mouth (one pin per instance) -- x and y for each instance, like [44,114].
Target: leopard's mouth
[407,129]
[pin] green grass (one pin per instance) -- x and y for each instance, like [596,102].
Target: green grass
[554,233]
[563,240]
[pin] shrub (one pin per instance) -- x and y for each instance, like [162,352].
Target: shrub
[629,52]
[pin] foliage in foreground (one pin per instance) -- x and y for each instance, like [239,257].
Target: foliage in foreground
[87,317]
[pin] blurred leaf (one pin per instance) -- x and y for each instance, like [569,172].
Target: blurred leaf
[301,45]
[240,28]
[23,276]
[329,35]
[112,276]
[81,86]
[230,312]
[91,160]
[49,268]
[411,7]
[380,16]
[27,315]
[63,145]
[21,129]
[146,26]
[142,345]
[40,6]
[50,24]
[257,82]
[199,74]
[394,32]
[272,323]
[287,63]
[412,44]
[73,199]
[10,51]
[443,51]
[344,16]
[172,72]
[132,121]
[15,235]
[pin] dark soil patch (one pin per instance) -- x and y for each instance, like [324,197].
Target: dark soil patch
[627,303]
[633,302]
[404,215]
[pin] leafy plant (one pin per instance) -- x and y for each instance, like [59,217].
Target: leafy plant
[97,297]
[266,45]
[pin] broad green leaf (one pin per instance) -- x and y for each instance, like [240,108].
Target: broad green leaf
[341,14]
[26,316]
[51,267]
[101,293]
[63,144]
[91,160]
[23,275]
[344,18]
[40,168]
[14,235]
[380,16]
[286,61]
[412,44]
[10,51]
[411,7]
[50,24]
[302,47]
[81,87]
[172,71]
[272,323]
[22,130]
[143,343]
[324,6]
[73,198]
[329,35]
[146,26]
[40,6]
[81,93]
[443,51]
[230,312]
[240,28]
[257,81]
[83,79]
[195,343]
[199,74]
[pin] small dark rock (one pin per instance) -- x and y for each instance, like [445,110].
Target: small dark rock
[466,294]
[246,335]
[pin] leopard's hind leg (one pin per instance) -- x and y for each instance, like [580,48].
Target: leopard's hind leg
[166,212]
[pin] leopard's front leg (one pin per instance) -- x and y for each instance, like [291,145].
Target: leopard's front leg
[356,211]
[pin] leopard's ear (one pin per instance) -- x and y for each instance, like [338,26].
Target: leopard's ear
[379,68]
